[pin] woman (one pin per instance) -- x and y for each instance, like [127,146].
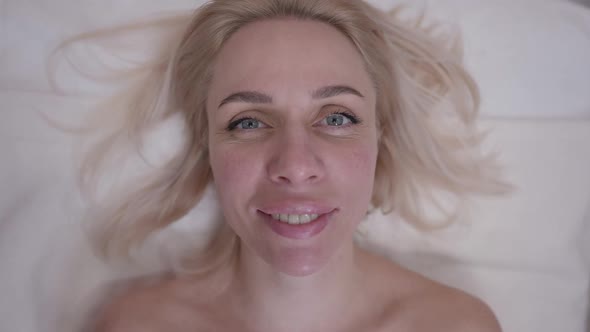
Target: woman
[304,115]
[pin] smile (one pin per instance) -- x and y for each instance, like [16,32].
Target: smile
[295,219]
[298,225]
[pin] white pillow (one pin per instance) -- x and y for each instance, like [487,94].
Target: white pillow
[530,57]
[525,255]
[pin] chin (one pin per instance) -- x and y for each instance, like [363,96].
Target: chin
[299,271]
[299,262]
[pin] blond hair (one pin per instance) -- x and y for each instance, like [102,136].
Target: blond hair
[426,113]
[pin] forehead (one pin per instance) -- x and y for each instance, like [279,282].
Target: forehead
[272,54]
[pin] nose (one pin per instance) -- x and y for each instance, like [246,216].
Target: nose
[295,160]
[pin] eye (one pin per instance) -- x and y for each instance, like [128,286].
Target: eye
[339,119]
[246,124]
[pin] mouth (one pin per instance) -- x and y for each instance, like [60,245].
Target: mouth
[298,226]
[295,219]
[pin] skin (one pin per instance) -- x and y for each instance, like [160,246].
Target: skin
[286,151]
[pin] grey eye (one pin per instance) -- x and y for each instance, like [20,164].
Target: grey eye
[336,120]
[245,124]
[249,124]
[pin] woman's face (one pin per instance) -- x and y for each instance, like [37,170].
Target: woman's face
[293,141]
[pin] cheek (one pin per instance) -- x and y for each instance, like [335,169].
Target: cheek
[354,175]
[235,172]
[358,167]
[365,160]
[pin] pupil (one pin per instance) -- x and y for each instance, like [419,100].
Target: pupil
[249,124]
[336,120]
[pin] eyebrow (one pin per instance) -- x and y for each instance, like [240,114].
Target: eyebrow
[335,90]
[255,97]
[252,97]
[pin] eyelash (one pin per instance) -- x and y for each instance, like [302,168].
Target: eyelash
[353,118]
[232,125]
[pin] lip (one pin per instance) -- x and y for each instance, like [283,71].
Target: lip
[298,231]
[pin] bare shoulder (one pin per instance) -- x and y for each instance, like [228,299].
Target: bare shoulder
[417,303]
[128,307]
[440,308]
[143,305]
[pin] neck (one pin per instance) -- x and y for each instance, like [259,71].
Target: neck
[270,300]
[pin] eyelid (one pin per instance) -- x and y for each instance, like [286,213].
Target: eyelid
[353,118]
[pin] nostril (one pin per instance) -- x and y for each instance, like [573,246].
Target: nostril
[284,179]
[295,164]
[301,178]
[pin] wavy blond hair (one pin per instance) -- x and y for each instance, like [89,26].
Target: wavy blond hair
[426,112]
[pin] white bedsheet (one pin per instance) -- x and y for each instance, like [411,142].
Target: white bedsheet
[527,255]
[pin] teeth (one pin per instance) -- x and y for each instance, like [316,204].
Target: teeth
[295,219]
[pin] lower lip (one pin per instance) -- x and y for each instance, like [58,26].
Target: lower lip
[298,231]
